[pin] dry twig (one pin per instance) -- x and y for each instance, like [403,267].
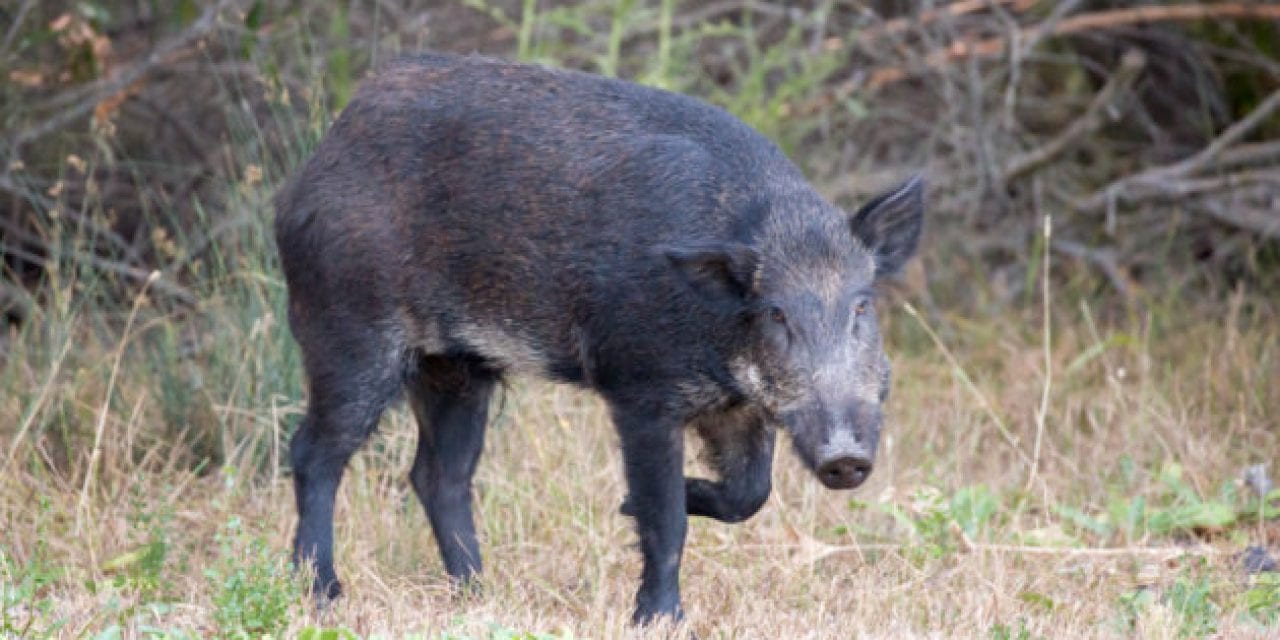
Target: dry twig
[1104,259]
[15,301]
[121,80]
[1251,153]
[898,26]
[1264,222]
[172,290]
[1232,135]
[42,203]
[1090,121]
[1175,180]
[1098,20]
[13,28]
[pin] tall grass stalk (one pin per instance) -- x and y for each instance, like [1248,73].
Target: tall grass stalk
[101,423]
[1046,311]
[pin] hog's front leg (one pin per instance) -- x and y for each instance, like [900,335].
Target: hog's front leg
[742,456]
[653,454]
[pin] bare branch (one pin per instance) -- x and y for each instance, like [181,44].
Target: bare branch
[1153,185]
[897,26]
[1169,180]
[1233,134]
[120,80]
[15,301]
[990,47]
[1104,259]
[41,203]
[94,261]
[37,200]
[1262,221]
[1250,154]
[1090,121]
[13,28]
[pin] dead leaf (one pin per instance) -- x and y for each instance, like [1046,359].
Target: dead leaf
[26,78]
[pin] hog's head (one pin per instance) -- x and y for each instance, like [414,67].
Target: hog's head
[804,292]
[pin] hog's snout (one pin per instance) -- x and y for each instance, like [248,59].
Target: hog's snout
[845,460]
[845,472]
[839,448]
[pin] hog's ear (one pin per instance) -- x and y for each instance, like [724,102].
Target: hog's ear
[719,271]
[889,226]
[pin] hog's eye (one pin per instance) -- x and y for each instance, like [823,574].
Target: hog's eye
[777,315]
[861,307]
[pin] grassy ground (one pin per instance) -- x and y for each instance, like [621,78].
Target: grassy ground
[1129,525]
[1061,468]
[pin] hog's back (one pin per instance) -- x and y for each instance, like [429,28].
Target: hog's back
[517,211]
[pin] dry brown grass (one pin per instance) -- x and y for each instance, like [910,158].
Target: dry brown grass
[559,557]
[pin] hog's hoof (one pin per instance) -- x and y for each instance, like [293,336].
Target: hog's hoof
[325,592]
[466,589]
[662,618]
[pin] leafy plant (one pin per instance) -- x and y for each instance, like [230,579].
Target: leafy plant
[142,568]
[321,633]
[255,591]
[1175,509]
[1193,602]
[926,519]
[937,522]
[1007,632]
[1190,600]
[1133,605]
[774,80]
[973,508]
[1262,599]
[25,610]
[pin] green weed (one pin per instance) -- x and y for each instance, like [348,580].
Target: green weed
[1174,508]
[26,610]
[1262,599]
[773,80]
[938,524]
[1133,605]
[973,508]
[255,590]
[321,633]
[142,568]
[1192,601]
[1008,632]
[1189,602]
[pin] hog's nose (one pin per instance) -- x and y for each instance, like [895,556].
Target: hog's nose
[844,473]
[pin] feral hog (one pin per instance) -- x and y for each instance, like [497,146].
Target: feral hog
[469,218]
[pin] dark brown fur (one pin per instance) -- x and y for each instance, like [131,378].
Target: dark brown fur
[466,218]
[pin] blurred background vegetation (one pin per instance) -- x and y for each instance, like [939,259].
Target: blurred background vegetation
[143,137]
[133,130]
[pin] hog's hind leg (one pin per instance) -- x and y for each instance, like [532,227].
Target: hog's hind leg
[450,399]
[351,385]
